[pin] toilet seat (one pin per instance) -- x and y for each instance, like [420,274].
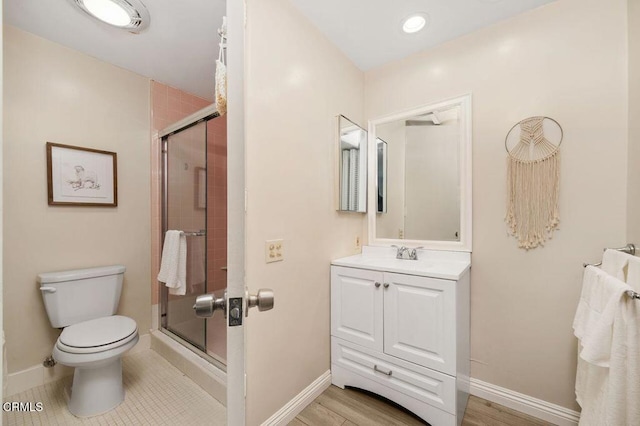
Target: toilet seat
[98,335]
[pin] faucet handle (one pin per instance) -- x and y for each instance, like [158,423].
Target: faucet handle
[413,253]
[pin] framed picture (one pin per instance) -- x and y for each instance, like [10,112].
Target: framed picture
[81,176]
[201,188]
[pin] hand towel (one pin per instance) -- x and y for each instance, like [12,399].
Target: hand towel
[633,273]
[608,374]
[615,262]
[173,267]
[623,394]
[601,297]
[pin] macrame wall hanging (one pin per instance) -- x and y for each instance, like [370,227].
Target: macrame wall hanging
[221,70]
[533,180]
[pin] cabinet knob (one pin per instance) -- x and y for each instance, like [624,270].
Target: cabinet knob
[377,285]
[386,285]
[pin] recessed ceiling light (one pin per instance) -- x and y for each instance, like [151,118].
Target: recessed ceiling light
[130,15]
[414,23]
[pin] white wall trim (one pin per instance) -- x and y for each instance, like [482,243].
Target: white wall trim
[300,401]
[524,403]
[38,375]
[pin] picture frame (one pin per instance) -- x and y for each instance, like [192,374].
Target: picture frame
[78,176]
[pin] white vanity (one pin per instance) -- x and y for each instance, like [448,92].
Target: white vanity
[400,329]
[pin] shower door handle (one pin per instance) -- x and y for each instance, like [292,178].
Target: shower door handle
[207,304]
[263,300]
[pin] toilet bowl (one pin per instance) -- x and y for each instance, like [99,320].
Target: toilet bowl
[83,302]
[95,348]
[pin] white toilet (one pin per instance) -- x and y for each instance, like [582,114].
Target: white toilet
[84,302]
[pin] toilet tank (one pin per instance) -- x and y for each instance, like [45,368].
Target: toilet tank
[79,295]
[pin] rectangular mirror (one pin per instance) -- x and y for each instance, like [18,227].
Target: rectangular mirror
[352,159]
[421,175]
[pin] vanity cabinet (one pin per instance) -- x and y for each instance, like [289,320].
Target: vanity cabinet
[403,336]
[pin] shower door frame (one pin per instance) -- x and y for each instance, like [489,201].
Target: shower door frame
[201,116]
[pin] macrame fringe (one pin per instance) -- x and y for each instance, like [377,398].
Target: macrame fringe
[221,87]
[533,188]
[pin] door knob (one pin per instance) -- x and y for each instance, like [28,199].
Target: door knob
[263,300]
[207,304]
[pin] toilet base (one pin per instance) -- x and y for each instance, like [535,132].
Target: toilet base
[96,390]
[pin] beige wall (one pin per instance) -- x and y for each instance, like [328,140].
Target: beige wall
[296,83]
[58,95]
[566,60]
[633,206]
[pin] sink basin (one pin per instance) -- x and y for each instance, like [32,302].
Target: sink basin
[397,263]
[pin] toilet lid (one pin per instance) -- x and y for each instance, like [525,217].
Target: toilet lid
[98,332]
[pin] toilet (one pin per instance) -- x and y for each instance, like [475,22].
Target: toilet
[94,339]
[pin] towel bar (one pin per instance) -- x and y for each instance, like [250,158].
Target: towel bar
[629,249]
[193,233]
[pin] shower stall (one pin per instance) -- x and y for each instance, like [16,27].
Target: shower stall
[194,201]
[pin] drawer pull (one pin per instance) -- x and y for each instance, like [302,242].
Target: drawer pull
[386,285]
[377,285]
[388,373]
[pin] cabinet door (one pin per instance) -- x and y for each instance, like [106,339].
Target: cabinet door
[356,306]
[419,320]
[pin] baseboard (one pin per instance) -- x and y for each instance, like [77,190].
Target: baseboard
[39,375]
[544,410]
[287,413]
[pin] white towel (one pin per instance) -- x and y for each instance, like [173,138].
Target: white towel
[173,268]
[607,380]
[615,262]
[633,273]
[593,324]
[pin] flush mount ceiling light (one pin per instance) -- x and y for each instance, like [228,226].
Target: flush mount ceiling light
[414,23]
[130,15]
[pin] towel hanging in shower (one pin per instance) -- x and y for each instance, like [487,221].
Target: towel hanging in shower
[533,183]
[221,71]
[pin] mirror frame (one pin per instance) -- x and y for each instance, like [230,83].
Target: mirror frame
[464,148]
[363,160]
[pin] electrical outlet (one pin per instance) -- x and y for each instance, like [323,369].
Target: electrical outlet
[401,233]
[358,245]
[273,251]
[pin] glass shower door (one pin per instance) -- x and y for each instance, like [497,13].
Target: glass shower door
[195,202]
[186,210]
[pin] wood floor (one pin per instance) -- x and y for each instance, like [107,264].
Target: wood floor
[337,407]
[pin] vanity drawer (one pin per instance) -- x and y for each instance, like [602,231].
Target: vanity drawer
[423,384]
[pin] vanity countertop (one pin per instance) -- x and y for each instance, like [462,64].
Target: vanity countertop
[447,265]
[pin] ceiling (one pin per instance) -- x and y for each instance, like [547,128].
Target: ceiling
[370,33]
[179,48]
[181,45]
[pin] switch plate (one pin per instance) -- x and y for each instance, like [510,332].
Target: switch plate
[273,251]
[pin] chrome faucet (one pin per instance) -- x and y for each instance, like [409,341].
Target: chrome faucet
[400,251]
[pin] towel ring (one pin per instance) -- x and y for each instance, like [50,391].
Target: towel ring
[506,139]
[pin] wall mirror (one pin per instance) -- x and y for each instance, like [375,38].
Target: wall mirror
[352,160]
[420,175]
